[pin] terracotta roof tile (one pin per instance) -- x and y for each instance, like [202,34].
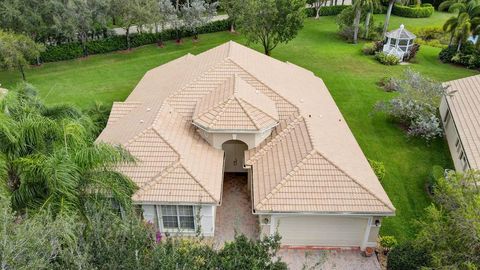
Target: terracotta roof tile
[310,162]
[465,108]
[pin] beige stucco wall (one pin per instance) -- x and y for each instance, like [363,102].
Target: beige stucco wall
[451,135]
[251,139]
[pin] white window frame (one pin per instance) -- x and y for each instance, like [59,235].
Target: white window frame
[158,210]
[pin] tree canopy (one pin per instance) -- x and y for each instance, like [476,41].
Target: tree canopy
[270,22]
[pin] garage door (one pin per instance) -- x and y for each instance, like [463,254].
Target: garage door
[322,230]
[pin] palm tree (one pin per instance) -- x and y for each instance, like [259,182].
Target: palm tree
[387,17]
[49,158]
[358,6]
[370,6]
[466,22]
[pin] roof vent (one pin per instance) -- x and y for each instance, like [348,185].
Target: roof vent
[149,109]
[301,100]
[141,121]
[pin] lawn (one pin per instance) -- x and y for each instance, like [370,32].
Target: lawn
[350,76]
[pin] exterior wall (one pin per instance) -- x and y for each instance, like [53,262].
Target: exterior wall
[454,144]
[251,139]
[326,231]
[234,156]
[206,219]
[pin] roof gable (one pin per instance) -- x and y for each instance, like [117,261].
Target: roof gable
[235,105]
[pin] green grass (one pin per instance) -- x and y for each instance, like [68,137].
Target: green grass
[350,76]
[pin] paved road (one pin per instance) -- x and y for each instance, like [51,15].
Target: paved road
[134,29]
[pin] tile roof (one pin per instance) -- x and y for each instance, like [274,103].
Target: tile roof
[465,109]
[310,163]
[235,106]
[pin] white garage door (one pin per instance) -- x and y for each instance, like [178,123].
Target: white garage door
[322,230]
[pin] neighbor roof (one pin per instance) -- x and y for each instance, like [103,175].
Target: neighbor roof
[235,106]
[464,106]
[310,163]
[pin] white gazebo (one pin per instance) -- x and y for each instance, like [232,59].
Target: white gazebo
[399,42]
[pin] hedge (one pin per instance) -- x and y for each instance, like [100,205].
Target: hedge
[335,10]
[422,11]
[74,50]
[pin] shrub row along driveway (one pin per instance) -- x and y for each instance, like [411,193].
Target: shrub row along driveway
[350,76]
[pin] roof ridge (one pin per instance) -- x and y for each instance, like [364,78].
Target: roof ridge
[239,101]
[260,109]
[198,182]
[272,142]
[354,180]
[285,179]
[264,84]
[223,107]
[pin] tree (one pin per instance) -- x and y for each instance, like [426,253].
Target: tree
[86,16]
[270,22]
[358,7]
[387,17]
[128,13]
[165,13]
[369,6]
[233,8]
[316,4]
[197,14]
[51,160]
[17,51]
[466,22]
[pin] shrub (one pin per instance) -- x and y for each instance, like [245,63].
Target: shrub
[389,84]
[422,11]
[468,56]
[369,48]
[388,242]
[407,256]
[327,11]
[378,168]
[417,105]
[412,53]
[387,59]
[115,43]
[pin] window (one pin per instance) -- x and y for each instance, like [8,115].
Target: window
[446,118]
[178,217]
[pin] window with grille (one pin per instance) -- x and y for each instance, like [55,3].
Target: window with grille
[178,217]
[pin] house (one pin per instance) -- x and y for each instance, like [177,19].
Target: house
[196,119]
[460,112]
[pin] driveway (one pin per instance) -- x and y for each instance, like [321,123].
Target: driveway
[327,259]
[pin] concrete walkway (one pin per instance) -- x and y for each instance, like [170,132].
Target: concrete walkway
[146,28]
[328,260]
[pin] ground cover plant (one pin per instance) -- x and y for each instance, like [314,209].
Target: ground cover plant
[350,76]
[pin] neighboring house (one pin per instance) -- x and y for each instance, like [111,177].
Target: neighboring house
[460,112]
[234,110]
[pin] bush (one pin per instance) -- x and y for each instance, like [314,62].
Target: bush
[387,59]
[389,84]
[468,56]
[417,105]
[422,11]
[369,48]
[327,11]
[412,53]
[407,256]
[378,168]
[388,242]
[74,50]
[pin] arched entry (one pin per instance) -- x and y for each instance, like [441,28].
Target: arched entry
[234,156]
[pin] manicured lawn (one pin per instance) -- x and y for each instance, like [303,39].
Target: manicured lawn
[350,76]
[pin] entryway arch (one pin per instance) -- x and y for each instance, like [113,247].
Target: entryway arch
[234,156]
